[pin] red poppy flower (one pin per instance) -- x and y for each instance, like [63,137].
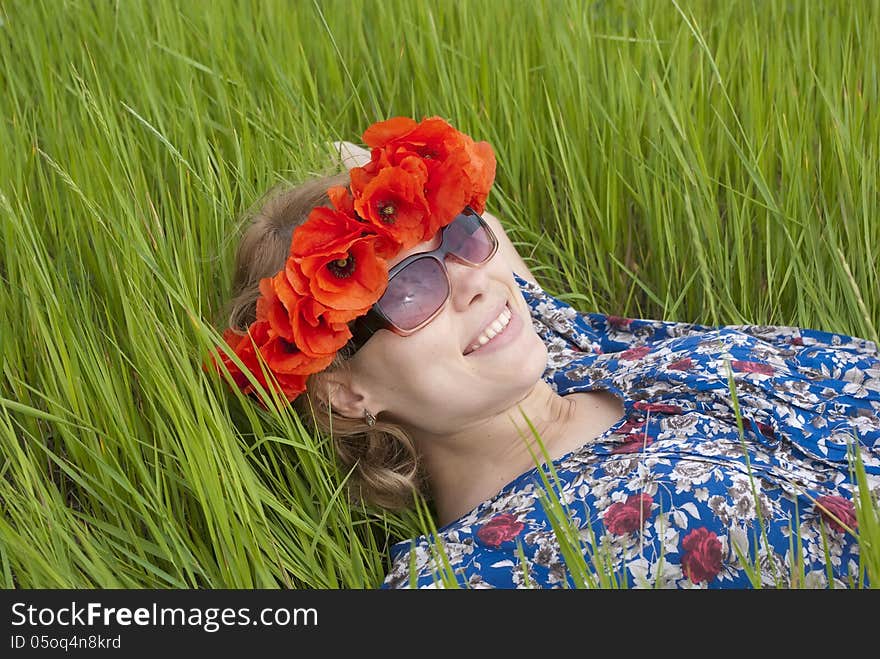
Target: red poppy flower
[314,333]
[286,358]
[243,346]
[447,153]
[343,201]
[347,281]
[324,231]
[285,291]
[453,181]
[341,198]
[446,186]
[447,191]
[299,320]
[382,132]
[432,138]
[270,306]
[480,171]
[701,560]
[344,273]
[253,345]
[394,202]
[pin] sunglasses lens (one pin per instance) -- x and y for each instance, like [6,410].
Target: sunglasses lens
[414,293]
[469,239]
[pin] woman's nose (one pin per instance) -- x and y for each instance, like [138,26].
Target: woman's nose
[467,283]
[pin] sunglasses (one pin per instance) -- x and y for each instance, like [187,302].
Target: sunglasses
[418,287]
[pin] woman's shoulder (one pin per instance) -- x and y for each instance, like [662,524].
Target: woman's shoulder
[562,327]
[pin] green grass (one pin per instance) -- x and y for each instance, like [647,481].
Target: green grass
[697,161]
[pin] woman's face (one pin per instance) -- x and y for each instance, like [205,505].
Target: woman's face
[432,380]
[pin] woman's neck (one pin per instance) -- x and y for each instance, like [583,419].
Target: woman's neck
[469,467]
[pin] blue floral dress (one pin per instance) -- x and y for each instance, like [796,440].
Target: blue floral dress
[673,495]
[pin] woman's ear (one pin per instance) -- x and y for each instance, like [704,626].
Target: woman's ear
[337,391]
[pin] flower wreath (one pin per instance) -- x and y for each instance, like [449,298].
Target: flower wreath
[419,177]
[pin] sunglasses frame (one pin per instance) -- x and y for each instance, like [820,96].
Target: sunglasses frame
[374,320]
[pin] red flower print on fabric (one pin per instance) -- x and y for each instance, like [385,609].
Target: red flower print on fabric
[681,365]
[630,425]
[619,322]
[633,443]
[766,430]
[635,353]
[657,407]
[701,560]
[797,341]
[752,367]
[623,518]
[499,529]
[837,511]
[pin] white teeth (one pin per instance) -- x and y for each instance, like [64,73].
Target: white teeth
[494,328]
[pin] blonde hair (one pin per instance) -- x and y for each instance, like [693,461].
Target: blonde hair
[384,463]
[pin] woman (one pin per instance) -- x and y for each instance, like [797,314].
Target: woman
[401,309]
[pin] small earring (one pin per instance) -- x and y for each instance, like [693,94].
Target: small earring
[369,418]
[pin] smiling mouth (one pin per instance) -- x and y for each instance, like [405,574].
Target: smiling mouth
[494,328]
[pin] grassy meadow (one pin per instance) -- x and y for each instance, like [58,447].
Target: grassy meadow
[711,162]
